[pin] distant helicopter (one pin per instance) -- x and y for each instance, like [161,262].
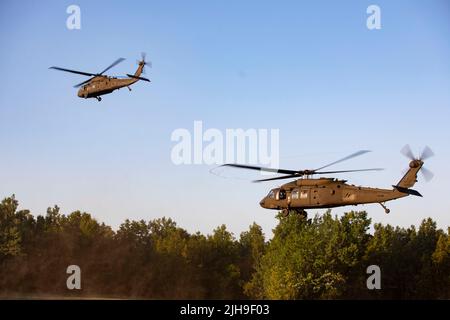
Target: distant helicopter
[100,84]
[308,193]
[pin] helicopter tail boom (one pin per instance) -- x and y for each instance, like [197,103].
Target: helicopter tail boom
[139,70]
[410,178]
[141,64]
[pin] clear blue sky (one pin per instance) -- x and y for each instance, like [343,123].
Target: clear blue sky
[311,69]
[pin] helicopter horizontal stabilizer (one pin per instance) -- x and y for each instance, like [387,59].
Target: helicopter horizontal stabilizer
[136,77]
[408,191]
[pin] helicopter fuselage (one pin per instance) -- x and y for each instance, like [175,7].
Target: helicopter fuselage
[102,85]
[325,193]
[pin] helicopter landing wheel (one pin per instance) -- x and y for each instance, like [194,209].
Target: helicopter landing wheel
[385,208]
[285,213]
[99,99]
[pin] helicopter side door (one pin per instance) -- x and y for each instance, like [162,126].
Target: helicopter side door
[326,195]
[300,197]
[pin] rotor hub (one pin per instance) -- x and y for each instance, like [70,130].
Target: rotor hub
[415,163]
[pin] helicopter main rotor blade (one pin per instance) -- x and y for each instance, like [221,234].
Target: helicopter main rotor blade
[426,153]
[74,71]
[324,172]
[342,171]
[407,152]
[84,82]
[112,65]
[290,176]
[358,153]
[274,170]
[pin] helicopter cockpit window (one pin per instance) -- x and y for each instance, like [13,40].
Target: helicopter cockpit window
[281,195]
[271,194]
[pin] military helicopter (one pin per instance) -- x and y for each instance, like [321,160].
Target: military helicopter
[100,84]
[308,193]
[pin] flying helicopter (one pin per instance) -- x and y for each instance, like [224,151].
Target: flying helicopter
[316,193]
[100,84]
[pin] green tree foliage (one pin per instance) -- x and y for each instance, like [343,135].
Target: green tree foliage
[14,227]
[409,261]
[310,259]
[10,237]
[441,263]
[320,258]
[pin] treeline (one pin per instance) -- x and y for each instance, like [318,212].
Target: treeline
[324,257]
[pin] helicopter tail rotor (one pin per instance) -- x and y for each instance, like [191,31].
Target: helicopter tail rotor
[415,162]
[143,62]
[407,152]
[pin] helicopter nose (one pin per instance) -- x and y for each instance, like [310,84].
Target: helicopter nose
[262,203]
